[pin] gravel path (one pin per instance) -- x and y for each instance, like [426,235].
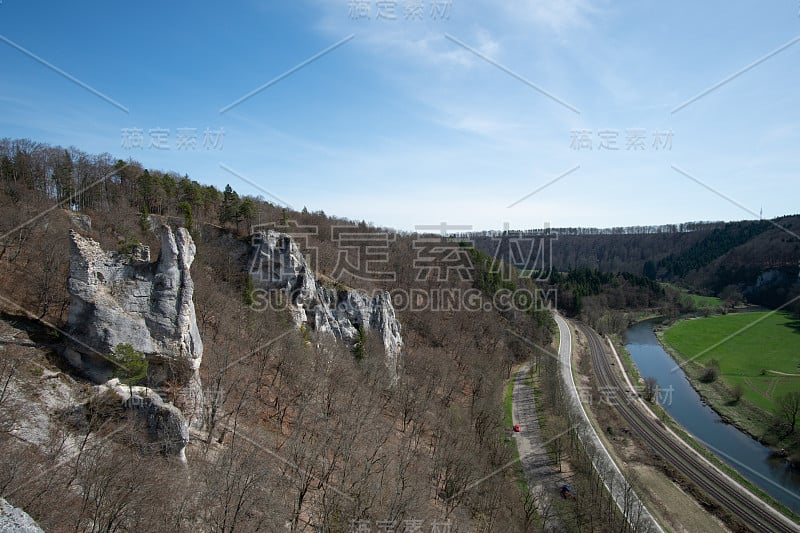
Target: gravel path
[540,471]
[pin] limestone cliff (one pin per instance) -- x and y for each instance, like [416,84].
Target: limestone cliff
[123,298]
[165,422]
[13,520]
[276,263]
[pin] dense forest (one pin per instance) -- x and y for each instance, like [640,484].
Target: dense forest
[758,259]
[717,243]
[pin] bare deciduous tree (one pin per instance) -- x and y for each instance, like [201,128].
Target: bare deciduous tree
[789,405]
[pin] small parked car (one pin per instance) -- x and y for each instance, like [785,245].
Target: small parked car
[516,428]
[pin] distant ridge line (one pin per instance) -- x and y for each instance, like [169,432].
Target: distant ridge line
[685,227]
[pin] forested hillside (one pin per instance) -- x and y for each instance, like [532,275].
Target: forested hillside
[712,246]
[758,259]
[304,433]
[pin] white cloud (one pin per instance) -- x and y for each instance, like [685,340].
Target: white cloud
[486,44]
[482,125]
[557,15]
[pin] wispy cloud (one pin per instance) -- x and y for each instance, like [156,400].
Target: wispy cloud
[482,125]
[556,15]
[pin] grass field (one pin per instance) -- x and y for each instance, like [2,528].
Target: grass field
[761,352]
[700,302]
[705,301]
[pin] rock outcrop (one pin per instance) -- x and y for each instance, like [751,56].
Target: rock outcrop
[276,263]
[165,422]
[13,520]
[123,298]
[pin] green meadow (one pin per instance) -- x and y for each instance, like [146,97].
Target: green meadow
[699,301]
[760,351]
[705,301]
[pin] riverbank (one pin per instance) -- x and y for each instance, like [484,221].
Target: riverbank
[720,396]
[743,415]
[682,386]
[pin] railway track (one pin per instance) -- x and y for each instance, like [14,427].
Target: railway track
[750,510]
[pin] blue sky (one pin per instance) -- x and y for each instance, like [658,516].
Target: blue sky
[434,118]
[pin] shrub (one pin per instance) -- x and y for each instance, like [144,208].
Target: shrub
[738,392]
[710,374]
[131,364]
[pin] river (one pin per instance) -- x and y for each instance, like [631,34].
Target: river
[681,401]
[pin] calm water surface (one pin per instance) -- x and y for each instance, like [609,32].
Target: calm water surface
[740,451]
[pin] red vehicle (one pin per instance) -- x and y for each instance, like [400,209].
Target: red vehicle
[516,428]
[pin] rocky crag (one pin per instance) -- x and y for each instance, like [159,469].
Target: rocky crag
[13,520]
[277,264]
[124,298]
[165,422]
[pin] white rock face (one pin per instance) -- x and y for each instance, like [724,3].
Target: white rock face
[125,299]
[276,263]
[13,520]
[165,422]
